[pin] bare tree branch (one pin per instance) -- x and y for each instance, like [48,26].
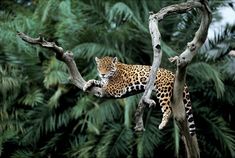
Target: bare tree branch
[177,104]
[156,36]
[67,57]
[182,61]
[145,100]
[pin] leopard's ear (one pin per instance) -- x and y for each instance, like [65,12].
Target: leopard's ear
[115,60]
[97,60]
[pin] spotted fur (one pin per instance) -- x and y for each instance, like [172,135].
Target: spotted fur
[120,80]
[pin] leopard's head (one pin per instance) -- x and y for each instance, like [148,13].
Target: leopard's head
[106,66]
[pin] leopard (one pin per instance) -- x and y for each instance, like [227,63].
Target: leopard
[119,80]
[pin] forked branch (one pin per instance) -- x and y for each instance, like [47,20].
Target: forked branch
[183,60]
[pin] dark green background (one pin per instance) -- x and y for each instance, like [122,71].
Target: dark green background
[43,115]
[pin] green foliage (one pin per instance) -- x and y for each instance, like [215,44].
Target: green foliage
[33,98]
[42,115]
[116,142]
[23,154]
[55,73]
[204,72]
[150,138]
[220,132]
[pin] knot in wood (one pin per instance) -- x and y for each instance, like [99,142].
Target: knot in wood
[69,54]
[191,46]
[158,46]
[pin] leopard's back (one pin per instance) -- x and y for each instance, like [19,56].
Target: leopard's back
[133,78]
[128,79]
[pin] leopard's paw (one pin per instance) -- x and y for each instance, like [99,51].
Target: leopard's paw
[165,119]
[162,124]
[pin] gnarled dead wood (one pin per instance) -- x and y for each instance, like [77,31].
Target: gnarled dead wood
[67,58]
[182,61]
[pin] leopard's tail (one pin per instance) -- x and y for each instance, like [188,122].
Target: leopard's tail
[189,116]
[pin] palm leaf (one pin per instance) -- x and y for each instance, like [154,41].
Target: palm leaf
[129,109]
[220,130]
[33,98]
[55,73]
[204,72]
[24,153]
[106,111]
[120,13]
[90,50]
[115,142]
[150,138]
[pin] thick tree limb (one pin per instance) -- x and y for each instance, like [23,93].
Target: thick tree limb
[67,58]
[183,60]
[156,36]
[145,100]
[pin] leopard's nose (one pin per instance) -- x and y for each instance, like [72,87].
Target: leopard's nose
[102,75]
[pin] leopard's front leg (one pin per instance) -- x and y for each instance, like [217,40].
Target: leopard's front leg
[92,83]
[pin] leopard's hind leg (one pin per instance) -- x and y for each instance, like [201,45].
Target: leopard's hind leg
[164,98]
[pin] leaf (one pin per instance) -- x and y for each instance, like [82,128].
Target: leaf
[55,73]
[120,13]
[168,50]
[105,112]
[150,138]
[90,50]
[204,72]
[54,100]
[219,129]
[23,153]
[115,142]
[9,80]
[5,136]
[65,9]
[33,98]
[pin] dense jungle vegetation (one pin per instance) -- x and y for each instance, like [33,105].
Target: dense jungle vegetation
[43,115]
